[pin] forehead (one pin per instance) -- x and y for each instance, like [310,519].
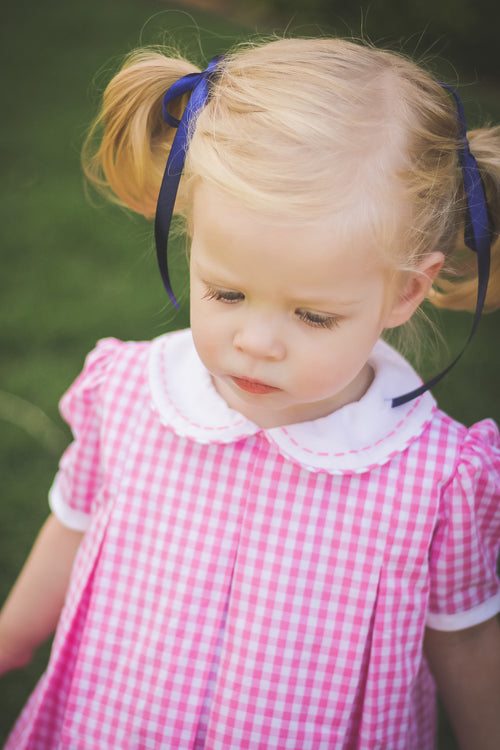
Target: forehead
[230,239]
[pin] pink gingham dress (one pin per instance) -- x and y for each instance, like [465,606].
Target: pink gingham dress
[248,588]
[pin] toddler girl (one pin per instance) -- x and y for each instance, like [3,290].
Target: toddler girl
[279,538]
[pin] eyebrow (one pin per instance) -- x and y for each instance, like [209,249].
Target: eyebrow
[212,275]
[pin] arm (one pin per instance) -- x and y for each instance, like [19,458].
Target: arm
[466,667]
[32,609]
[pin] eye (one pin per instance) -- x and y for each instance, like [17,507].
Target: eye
[223,295]
[316,320]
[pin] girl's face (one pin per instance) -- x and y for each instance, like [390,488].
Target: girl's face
[283,316]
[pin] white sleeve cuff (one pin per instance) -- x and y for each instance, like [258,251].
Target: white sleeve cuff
[73,519]
[463,620]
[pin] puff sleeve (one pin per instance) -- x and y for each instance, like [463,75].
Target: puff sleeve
[78,483]
[465,589]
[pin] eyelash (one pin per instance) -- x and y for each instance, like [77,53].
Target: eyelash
[222,296]
[311,319]
[318,321]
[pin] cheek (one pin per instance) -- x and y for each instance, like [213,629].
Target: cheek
[333,363]
[206,336]
[316,370]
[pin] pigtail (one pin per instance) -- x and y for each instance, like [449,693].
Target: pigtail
[126,150]
[457,290]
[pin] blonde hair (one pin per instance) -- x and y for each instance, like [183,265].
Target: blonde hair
[309,128]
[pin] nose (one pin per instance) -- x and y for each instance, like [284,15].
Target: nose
[258,337]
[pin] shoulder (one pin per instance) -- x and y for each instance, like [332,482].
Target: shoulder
[460,449]
[476,467]
[112,366]
[108,353]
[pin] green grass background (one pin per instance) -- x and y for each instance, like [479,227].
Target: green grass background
[73,271]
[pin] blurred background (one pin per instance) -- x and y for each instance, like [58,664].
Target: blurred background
[74,269]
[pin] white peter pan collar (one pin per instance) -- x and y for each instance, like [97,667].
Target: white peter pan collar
[357,437]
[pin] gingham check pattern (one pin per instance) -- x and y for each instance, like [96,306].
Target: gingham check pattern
[227,597]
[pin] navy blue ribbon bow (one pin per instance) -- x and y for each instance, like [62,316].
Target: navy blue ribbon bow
[199,85]
[478,236]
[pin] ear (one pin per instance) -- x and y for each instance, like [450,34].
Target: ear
[414,290]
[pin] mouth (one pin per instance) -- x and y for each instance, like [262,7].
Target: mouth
[253,386]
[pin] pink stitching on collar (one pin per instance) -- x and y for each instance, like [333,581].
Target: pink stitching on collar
[180,414]
[325,454]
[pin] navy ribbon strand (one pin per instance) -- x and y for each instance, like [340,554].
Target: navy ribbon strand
[199,85]
[478,236]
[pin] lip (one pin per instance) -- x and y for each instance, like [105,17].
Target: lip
[253,386]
